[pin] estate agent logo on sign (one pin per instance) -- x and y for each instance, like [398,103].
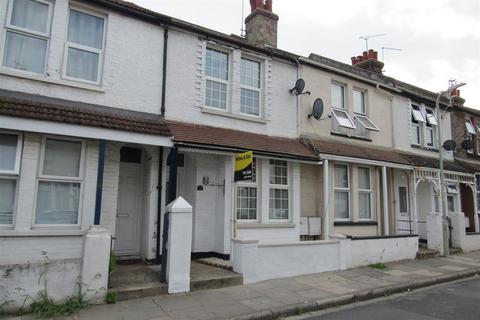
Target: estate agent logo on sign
[244,166]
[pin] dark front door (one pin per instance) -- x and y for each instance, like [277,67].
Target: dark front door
[467,206]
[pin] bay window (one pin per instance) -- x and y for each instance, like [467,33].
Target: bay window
[10,151]
[216,74]
[341,191]
[279,191]
[59,182]
[247,199]
[27,35]
[250,87]
[85,45]
[364,193]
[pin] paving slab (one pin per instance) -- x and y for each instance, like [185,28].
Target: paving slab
[274,298]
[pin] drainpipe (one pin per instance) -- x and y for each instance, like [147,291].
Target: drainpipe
[326,220]
[385,201]
[159,204]
[100,171]
[164,70]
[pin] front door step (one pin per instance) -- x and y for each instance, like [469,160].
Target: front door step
[424,253]
[139,281]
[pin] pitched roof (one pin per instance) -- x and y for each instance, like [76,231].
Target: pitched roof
[429,162]
[354,151]
[43,108]
[213,137]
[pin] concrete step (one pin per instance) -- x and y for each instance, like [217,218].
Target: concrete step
[424,253]
[134,281]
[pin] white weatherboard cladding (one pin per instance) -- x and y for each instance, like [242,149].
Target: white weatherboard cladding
[132,75]
[184,104]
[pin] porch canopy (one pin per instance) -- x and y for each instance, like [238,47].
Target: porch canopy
[189,135]
[35,113]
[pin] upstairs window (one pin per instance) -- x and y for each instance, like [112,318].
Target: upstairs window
[338,96]
[216,74]
[250,87]
[360,110]
[339,111]
[430,127]
[478,138]
[85,45]
[424,126]
[27,35]
[470,133]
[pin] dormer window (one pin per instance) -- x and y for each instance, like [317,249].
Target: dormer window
[27,35]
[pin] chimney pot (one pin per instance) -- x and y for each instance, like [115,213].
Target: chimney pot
[365,54]
[368,61]
[375,55]
[268,5]
[354,60]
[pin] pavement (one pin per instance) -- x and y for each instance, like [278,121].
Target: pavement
[453,301]
[273,299]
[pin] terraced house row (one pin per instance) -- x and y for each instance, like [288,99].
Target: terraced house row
[109,112]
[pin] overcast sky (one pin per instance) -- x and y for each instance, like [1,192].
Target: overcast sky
[440,39]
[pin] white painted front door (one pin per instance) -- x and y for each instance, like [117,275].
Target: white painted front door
[127,232]
[404,223]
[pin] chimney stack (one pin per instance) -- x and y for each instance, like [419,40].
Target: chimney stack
[368,61]
[261,24]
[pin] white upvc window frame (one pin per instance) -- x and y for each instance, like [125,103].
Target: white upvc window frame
[349,125]
[100,52]
[470,131]
[452,192]
[65,179]
[27,32]
[431,117]
[478,137]
[366,191]
[431,127]
[250,184]
[347,190]
[259,89]
[417,113]
[361,116]
[272,186]
[206,78]
[13,174]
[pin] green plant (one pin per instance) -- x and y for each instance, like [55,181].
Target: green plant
[380,266]
[112,265]
[47,308]
[111,297]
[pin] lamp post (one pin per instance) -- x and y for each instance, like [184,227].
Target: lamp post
[443,194]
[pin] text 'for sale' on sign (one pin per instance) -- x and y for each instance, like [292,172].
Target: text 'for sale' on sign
[244,166]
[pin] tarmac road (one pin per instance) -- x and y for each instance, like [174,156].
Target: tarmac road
[455,301]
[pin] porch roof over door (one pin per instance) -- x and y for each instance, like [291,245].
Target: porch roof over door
[214,138]
[35,113]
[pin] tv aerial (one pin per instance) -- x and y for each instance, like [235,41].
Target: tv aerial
[366,37]
[299,87]
[388,48]
[317,110]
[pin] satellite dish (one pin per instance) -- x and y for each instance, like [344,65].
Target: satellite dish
[467,144]
[299,87]
[317,110]
[449,145]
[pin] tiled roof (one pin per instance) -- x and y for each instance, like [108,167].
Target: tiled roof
[354,151]
[38,109]
[200,135]
[428,162]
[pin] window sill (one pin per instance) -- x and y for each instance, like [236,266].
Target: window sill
[232,115]
[333,133]
[354,223]
[416,146]
[41,78]
[265,225]
[41,233]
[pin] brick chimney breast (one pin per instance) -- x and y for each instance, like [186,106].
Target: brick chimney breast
[261,24]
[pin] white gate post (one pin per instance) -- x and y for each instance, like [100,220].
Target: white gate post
[435,232]
[179,245]
[95,261]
